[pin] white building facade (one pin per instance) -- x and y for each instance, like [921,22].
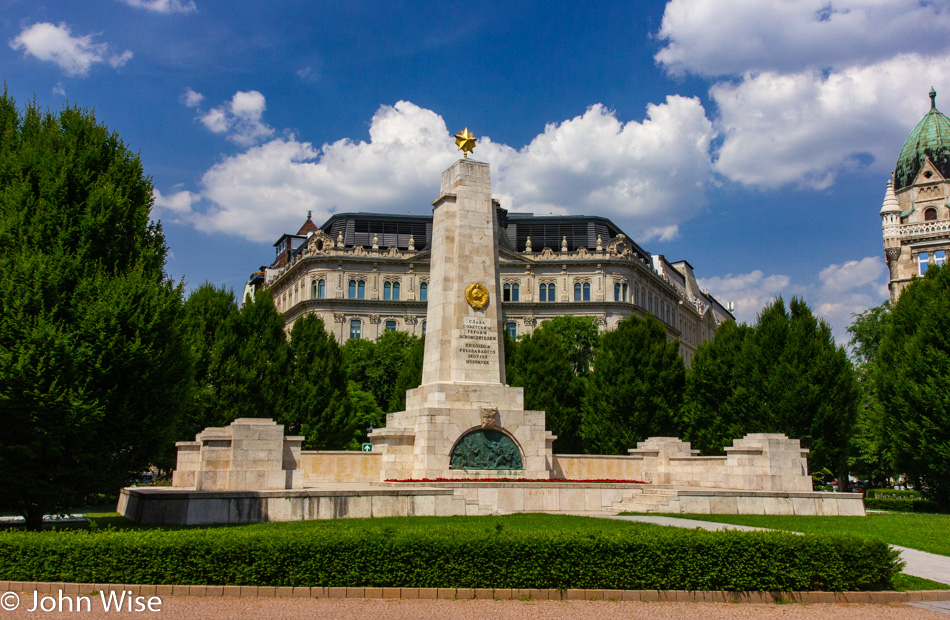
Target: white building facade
[364,274]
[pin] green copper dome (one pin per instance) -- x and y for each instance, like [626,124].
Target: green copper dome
[930,138]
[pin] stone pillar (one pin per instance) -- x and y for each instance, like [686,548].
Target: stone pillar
[463,397]
[462,343]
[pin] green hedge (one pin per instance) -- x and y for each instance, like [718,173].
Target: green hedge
[892,494]
[654,559]
[901,505]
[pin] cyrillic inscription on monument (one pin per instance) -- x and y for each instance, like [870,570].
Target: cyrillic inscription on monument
[478,341]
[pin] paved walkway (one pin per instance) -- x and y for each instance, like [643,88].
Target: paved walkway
[919,563]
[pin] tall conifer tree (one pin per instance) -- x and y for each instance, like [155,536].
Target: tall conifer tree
[94,372]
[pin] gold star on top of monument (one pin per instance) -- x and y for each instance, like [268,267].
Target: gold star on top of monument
[465,141]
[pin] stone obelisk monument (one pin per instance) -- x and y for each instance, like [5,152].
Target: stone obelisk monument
[463,421]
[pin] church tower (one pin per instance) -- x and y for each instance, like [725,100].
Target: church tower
[915,216]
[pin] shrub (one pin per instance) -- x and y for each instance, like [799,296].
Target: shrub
[467,556]
[904,504]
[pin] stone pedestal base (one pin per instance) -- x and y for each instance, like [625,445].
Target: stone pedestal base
[419,442]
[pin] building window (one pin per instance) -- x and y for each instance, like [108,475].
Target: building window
[390,326]
[423,328]
[512,329]
[357,289]
[313,289]
[940,257]
[923,261]
[930,215]
[514,292]
[577,291]
[396,290]
[321,289]
[623,291]
[388,290]
[356,329]
[423,291]
[506,292]
[546,293]
[617,291]
[586,291]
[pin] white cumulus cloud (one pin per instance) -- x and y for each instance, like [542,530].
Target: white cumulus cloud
[809,88]
[191,99]
[74,55]
[749,291]
[163,6]
[837,293]
[732,37]
[805,128]
[241,118]
[649,176]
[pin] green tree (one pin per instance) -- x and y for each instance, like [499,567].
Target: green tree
[250,364]
[912,373]
[784,375]
[870,455]
[410,375]
[318,405]
[94,371]
[635,388]
[721,401]
[552,365]
[376,366]
[208,311]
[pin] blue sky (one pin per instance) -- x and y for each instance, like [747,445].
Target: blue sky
[751,138]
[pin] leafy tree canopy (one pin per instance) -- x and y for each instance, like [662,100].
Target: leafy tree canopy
[94,372]
[912,375]
[635,389]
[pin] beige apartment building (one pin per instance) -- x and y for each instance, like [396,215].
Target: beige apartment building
[365,273]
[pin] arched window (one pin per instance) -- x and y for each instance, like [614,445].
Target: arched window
[396,290]
[356,329]
[321,289]
[586,291]
[577,291]
[930,215]
[551,296]
[514,292]
[506,292]
[423,291]
[352,290]
[390,326]
[616,291]
[623,292]
[361,290]
[388,290]
[313,289]
[543,293]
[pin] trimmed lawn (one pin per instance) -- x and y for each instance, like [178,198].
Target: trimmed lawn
[926,532]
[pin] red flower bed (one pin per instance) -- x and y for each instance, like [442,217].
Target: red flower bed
[603,481]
